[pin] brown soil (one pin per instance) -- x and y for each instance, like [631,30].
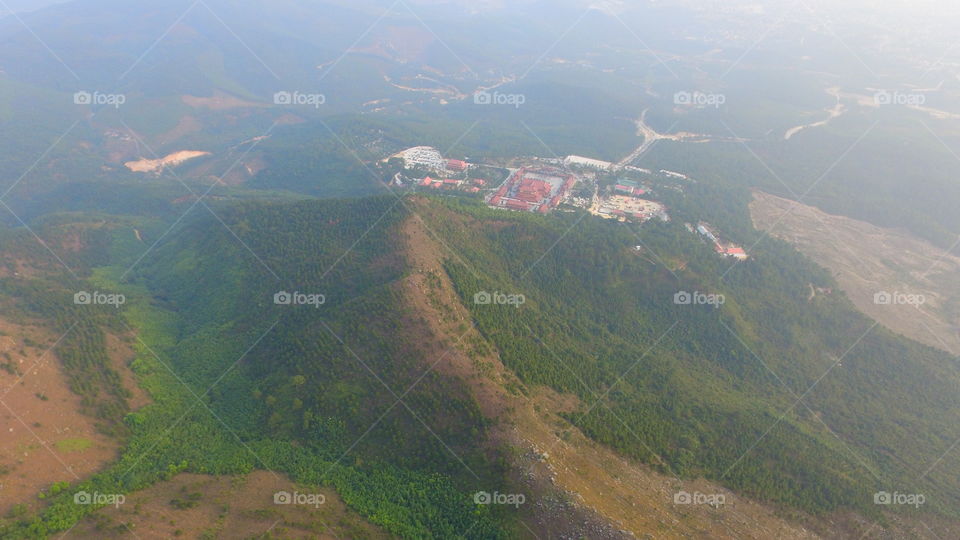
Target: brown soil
[201,506]
[867,259]
[220,101]
[45,437]
[186,126]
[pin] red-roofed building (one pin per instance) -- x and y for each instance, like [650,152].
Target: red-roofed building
[457,165]
[736,252]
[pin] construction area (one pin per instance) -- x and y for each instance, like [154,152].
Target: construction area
[628,208]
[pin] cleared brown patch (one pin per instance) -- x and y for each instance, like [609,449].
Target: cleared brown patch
[197,506]
[867,259]
[45,439]
[186,126]
[219,101]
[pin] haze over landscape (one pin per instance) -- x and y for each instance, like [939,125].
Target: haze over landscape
[479,269]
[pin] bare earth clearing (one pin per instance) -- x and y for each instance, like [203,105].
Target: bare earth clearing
[868,260]
[172,160]
[45,439]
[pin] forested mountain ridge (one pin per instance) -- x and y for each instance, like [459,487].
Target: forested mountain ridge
[690,391]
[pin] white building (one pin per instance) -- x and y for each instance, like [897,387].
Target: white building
[423,156]
[580,161]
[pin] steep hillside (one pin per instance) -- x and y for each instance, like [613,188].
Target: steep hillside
[414,355]
[705,391]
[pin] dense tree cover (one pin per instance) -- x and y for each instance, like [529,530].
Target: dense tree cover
[294,388]
[692,388]
[239,382]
